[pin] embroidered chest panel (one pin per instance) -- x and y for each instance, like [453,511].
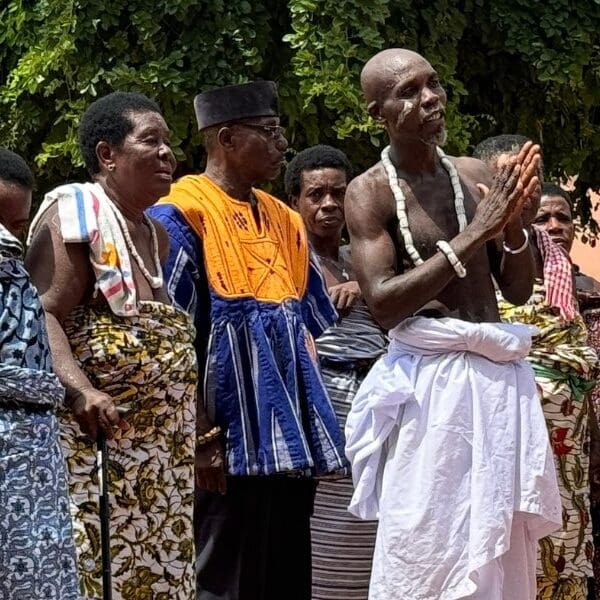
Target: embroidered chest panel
[267,260]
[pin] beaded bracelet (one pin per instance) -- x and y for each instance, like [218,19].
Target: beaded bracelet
[445,248]
[520,248]
[208,436]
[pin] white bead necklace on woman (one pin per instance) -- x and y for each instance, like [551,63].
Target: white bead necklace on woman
[459,206]
[155,282]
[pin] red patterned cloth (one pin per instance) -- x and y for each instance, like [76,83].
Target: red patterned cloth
[558,276]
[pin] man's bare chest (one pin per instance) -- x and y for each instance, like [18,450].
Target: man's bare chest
[431,210]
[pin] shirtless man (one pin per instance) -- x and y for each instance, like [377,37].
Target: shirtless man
[423,462]
[404,93]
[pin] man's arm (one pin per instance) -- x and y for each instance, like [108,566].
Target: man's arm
[393,297]
[513,273]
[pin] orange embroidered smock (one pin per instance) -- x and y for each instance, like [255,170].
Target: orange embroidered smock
[266,300]
[266,261]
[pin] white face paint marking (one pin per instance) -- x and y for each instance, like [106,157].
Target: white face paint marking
[406,109]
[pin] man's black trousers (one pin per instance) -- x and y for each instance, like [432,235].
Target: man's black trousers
[253,543]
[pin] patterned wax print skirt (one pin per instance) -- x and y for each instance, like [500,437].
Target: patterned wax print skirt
[147,364]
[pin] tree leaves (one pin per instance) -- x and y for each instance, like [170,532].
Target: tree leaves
[507,65]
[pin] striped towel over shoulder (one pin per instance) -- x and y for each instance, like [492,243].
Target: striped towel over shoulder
[87,214]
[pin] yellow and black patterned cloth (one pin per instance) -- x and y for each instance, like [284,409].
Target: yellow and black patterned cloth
[565,367]
[147,363]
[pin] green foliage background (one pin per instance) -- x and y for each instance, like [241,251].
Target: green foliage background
[508,66]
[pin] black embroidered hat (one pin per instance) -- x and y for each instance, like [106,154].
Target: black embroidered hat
[236,102]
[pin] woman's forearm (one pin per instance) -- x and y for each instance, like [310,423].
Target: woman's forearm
[66,368]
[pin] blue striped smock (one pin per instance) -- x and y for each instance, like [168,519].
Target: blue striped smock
[262,382]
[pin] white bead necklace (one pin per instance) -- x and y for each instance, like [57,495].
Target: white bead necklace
[155,282]
[459,204]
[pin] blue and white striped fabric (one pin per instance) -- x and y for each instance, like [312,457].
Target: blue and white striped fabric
[262,382]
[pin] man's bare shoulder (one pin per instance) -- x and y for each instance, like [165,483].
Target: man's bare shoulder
[373,176]
[369,196]
[370,187]
[473,169]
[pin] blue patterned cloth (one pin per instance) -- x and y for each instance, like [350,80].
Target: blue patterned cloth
[262,383]
[37,554]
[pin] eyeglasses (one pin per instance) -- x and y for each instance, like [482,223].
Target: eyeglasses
[271,131]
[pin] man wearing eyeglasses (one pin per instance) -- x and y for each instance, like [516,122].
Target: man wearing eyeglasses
[240,264]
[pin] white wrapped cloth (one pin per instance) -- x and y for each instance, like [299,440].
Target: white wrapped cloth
[447,442]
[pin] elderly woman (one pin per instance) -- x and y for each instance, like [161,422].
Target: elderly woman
[123,352]
[564,365]
[37,555]
[342,545]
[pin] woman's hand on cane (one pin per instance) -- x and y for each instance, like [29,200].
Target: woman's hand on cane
[92,408]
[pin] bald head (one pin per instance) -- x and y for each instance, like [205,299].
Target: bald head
[382,71]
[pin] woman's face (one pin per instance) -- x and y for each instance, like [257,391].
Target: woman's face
[143,165]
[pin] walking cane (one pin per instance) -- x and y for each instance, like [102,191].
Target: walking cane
[102,466]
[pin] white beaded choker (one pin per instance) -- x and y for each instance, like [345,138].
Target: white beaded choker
[459,204]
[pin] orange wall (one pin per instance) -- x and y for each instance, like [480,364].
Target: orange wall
[585,256]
